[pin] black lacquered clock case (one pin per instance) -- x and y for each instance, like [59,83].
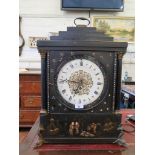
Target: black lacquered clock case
[62,121]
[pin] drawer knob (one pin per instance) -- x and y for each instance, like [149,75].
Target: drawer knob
[30,100]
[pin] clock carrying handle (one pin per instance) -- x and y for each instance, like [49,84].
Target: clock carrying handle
[81,18]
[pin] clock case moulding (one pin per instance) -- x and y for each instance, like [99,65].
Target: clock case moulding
[98,122]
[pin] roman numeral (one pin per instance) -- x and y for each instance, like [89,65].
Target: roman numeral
[97,74]
[63,91]
[81,63]
[70,98]
[71,66]
[62,81]
[95,92]
[99,83]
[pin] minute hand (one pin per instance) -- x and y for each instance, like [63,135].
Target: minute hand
[68,81]
[73,81]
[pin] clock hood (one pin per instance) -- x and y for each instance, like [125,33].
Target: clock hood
[82,37]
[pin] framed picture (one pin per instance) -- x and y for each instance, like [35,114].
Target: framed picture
[121,28]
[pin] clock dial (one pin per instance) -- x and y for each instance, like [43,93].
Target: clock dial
[80,82]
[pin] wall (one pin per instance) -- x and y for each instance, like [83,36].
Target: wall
[39,17]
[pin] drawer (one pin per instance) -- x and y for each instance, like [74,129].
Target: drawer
[26,116]
[30,88]
[29,77]
[30,101]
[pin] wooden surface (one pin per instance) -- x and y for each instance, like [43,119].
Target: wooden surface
[26,146]
[22,135]
[30,99]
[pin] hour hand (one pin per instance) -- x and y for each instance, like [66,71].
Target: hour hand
[72,81]
[62,81]
[76,91]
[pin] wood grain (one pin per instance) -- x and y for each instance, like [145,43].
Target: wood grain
[30,99]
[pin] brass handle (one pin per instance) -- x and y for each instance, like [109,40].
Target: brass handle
[81,18]
[30,100]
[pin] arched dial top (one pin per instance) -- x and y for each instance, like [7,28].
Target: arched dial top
[80,82]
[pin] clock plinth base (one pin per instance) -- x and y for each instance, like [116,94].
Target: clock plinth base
[80,140]
[80,128]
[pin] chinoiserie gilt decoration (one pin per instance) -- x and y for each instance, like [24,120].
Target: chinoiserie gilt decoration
[81,80]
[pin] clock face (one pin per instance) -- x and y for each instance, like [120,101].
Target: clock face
[80,82]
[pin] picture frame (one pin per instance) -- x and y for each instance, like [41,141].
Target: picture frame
[121,28]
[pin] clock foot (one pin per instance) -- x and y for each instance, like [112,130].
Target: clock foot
[120,141]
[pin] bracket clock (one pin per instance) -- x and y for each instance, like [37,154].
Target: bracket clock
[81,80]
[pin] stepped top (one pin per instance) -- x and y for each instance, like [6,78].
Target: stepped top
[80,37]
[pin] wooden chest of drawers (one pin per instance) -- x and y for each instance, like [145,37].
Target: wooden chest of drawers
[29,99]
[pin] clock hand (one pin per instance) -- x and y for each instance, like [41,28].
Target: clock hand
[86,83]
[68,81]
[73,81]
[76,91]
[61,81]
